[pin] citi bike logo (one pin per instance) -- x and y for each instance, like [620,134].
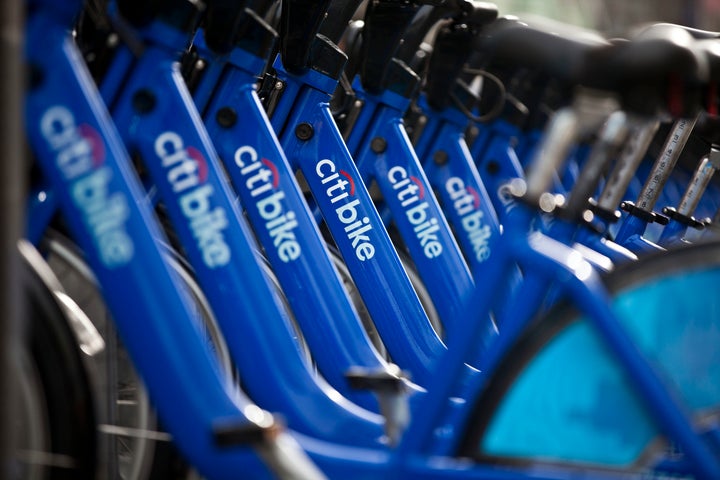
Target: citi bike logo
[80,156]
[466,202]
[341,189]
[261,180]
[410,193]
[187,170]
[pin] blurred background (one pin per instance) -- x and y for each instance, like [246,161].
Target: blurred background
[614,17]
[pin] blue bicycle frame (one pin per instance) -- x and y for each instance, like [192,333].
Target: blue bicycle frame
[169,135]
[313,144]
[547,259]
[102,202]
[383,153]
[277,209]
[495,157]
[462,193]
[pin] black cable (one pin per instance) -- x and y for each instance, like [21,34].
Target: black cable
[499,104]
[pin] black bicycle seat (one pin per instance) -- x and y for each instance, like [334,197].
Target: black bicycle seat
[557,50]
[651,57]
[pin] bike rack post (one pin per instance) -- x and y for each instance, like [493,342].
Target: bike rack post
[11,198]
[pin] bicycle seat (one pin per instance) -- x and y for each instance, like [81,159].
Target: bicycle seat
[659,68]
[555,49]
[653,56]
[710,49]
[696,33]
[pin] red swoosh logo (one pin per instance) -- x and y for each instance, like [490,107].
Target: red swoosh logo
[416,181]
[195,154]
[475,196]
[274,170]
[96,143]
[352,183]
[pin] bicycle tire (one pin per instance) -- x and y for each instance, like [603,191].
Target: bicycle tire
[130,457]
[58,362]
[531,355]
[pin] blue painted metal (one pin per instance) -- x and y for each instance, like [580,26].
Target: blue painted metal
[184,167]
[497,161]
[411,202]
[356,227]
[286,228]
[82,155]
[90,173]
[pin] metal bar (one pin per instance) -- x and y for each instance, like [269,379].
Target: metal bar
[11,189]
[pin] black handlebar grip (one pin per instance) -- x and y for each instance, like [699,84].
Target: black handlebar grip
[338,19]
[385,25]
[299,23]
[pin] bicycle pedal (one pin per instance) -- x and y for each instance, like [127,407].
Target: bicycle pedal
[381,381]
[231,433]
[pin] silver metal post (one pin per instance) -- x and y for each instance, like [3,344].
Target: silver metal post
[628,162]
[697,186]
[664,165]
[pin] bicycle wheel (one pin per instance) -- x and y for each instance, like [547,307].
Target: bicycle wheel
[561,398]
[133,445]
[55,429]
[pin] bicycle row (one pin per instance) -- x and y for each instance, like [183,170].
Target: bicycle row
[412,253]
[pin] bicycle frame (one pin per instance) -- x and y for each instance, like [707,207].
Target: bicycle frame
[313,144]
[283,222]
[549,259]
[465,201]
[183,165]
[495,157]
[383,153]
[82,156]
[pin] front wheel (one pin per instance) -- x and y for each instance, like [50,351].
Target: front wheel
[561,398]
[55,423]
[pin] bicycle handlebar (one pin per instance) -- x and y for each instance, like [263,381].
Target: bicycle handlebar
[182,14]
[385,25]
[299,23]
[338,17]
[452,49]
[426,17]
[222,22]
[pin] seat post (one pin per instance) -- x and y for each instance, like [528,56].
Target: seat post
[11,168]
